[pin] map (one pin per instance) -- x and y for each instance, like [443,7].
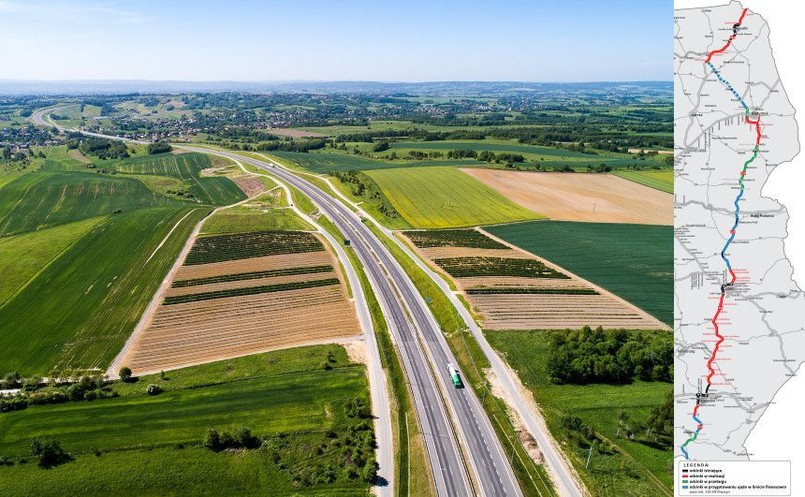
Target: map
[739,315]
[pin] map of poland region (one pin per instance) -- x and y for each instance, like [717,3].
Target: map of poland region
[739,315]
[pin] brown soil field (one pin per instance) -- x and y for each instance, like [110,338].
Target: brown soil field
[515,281]
[191,333]
[295,133]
[250,185]
[210,330]
[266,263]
[524,312]
[591,197]
[450,252]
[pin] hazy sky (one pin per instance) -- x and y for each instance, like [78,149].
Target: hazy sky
[419,40]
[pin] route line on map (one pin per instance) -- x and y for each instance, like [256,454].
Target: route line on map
[733,232]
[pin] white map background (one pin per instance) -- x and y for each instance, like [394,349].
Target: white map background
[780,434]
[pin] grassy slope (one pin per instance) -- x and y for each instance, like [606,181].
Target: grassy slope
[444,197]
[77,311]
[28,253]
[246,219]
[631,260]
[211,190]
[662,179]
[47,199]
[599,407]
[80,309]
[151,445]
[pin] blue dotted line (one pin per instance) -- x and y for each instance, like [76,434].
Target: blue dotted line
[729,86]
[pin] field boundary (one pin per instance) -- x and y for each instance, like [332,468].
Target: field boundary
[602,291]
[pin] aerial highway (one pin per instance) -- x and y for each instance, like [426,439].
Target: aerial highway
[483,468]
[465,454]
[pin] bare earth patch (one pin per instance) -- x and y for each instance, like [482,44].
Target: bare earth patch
[356,350]
[590,197]
[250,185]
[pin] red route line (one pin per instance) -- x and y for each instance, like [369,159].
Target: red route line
[729,41]
[733,278]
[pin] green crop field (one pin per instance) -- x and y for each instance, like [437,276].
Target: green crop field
[46,199]
[645,469]
[662,179]
[138,444]
[86,248]
[241,219]
[214,190]
[633,261]
[80,309]
[31,252]
[334,162]
[330,162]
[444,197]
[492,146]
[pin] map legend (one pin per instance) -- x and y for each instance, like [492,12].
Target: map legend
[734,478]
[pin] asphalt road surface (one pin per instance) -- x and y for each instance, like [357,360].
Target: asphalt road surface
[483,466]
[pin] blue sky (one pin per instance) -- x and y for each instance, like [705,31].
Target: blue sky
[437,40]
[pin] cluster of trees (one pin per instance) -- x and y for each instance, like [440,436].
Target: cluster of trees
[363,186]
[420,155]
[241,439]
[600,168]
[35,392]
[612,356]
[101,148]
[159,147]
[48,452]
[292,145]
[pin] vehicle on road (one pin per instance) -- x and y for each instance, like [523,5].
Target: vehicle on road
[455,376]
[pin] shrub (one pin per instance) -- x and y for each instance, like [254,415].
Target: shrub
[125,374]
[154,389]
[48,452]
[212,440]
[11,380]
